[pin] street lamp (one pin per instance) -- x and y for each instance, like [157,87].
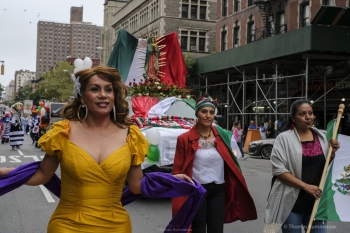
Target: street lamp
[2,68]
[99,53]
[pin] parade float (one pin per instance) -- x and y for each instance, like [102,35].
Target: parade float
[160,105]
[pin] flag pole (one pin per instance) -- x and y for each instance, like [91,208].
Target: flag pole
[335,130]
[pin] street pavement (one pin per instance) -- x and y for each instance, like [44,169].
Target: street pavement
[28,209]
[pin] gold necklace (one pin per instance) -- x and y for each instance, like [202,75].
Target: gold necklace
[204,137]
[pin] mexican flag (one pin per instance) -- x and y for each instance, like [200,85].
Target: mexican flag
[334,204]
[129,55]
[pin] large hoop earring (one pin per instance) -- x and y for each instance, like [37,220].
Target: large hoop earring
[114,114]
[86,111]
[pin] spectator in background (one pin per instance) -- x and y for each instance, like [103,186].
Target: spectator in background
[269,130]
[262,130]
[244,135]
[24,123]
[266,123]
[237,133]
[34,127]
[234,125]
[252,125]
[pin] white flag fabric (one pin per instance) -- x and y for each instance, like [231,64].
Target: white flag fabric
[334,204]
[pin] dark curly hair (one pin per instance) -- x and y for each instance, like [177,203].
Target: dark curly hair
[120,90]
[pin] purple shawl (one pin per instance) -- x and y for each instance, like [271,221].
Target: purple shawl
[155,185]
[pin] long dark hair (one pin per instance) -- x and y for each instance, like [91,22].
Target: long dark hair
[294,108]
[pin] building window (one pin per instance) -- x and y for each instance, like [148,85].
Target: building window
[201,44]
[237,5]
[184,40]
[154,10]
[305,14]
[193,40]
[280,24]
[194,9]
[184,11]
[236,36]
[224,7]
[223,39]
[250,2]
[250,31]
[203,12]
[271,26]
[329,2]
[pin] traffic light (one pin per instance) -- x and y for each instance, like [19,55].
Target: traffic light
[2,69]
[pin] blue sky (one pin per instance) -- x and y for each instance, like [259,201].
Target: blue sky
[18,28]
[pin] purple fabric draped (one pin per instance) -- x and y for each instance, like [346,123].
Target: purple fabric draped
[155,185]
[22,174]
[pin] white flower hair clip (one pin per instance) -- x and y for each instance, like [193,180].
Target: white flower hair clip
[77,85]
[79,65]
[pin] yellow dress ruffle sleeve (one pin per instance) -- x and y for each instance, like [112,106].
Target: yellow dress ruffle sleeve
[51,141]
[138,145]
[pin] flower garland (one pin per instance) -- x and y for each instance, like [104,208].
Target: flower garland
[158,89]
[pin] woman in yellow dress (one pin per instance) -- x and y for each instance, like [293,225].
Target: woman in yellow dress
[97,148]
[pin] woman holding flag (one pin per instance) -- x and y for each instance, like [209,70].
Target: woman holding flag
[298,158]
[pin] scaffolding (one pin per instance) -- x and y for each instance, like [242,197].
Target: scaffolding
[274,99]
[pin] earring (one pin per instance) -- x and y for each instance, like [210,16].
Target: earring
[114,114]
[86,111]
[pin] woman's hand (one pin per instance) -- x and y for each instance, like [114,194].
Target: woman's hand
[315,191]
[184,177]
[5,170]
[334,144]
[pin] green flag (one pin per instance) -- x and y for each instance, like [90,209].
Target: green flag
[123,53]
[330,129]
[334,204]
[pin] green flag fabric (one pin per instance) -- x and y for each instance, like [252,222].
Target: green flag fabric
[123,53]
[330,129]
[334,204]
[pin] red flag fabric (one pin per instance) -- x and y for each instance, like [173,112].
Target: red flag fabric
[175,69]
[142,104]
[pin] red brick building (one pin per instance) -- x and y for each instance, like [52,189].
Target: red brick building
[270,53]
[243,21]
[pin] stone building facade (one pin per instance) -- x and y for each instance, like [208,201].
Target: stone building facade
[9,91]
[56,41]
[193,20]
[22,77]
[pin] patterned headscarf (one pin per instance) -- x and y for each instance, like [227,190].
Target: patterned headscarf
[205,102]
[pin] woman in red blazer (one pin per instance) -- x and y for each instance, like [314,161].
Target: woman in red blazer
[202,155]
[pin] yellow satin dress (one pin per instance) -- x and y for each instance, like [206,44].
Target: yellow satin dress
[91,192]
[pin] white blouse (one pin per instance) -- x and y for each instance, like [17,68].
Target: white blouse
[208,163]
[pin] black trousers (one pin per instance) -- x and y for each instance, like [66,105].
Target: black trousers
[210,216]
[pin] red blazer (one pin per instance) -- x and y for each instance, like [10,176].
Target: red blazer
[239,205]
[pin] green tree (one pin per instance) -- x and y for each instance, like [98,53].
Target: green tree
[1,90]
[35,96]
[57,83]
[189,63]
[23,93]
[191,79]
[7,103]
